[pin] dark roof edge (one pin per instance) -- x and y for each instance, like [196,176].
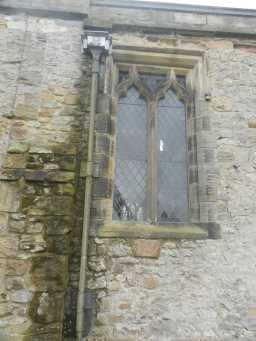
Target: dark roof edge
[163,6]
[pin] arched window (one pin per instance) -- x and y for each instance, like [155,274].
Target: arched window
[131,158]
[151,158]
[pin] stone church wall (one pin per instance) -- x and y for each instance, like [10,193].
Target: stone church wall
[44,93]
[154,290]
[193,290]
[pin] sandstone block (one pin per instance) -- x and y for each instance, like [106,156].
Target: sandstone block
[15,161]
[220,44]
[20,296]
[8,246]
[47,307]
[60,176]
[58,225]
[252,123]
[9,197]
[32,243]
[58,244]
[72,99]
[101,188]
[124,305]
[49,272]
[97,283]
[146,248]
[17,147]
[222,103]
[150,282]
[4,218]
[102,144]
[17,267]
[17,226]
[47,205]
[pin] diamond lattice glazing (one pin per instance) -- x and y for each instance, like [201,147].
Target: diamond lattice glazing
[131,158]
[171,160]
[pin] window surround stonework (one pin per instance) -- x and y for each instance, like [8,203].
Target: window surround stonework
[201,197]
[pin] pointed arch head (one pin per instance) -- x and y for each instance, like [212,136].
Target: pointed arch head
[171,83]
[133,80]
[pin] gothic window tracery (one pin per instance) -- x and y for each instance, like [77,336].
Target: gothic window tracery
[150,182]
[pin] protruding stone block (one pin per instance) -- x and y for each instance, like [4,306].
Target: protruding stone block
[9,198]
[252,122]
[146,248]
[222,103]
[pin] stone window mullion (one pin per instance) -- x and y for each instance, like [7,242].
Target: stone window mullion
[152,169]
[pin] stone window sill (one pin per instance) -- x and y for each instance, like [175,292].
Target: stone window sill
[134,230]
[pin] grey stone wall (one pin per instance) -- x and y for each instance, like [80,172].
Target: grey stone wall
[202,290]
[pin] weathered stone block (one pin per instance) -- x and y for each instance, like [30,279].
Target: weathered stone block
[146,248]
[103,104]
[17,226]
[47,307]
[9,197]
[49,272]
[58,244]
[47,205]
[191,142]
[43,337]
[252,123]
[21,296]
[103,123]
[58,225]
[97,264]
[225,156]
[60,176]
[66,162]
[15,161]
[150,282]
[222,103]
[4,219]
[32,243]
[193,174]
[102,144]
[17,267]
[35,175]
[34,226]
[64,189]
[101,187]
[101,166]
[9,246]
[97,283]
[42,328]
[15,283]
[72,99]
[64,149]
[17,147]
[220,44]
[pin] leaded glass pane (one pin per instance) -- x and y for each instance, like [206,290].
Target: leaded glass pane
[131,158]
[171,160]
[181,80]
[123,75]
[152,81]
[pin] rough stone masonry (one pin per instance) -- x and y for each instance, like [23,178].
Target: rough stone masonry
[140,289]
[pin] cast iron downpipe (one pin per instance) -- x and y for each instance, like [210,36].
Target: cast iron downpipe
[97,42]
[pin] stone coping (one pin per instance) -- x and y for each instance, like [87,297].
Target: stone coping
[163,6]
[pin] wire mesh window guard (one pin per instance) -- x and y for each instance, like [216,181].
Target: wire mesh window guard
[151,148]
